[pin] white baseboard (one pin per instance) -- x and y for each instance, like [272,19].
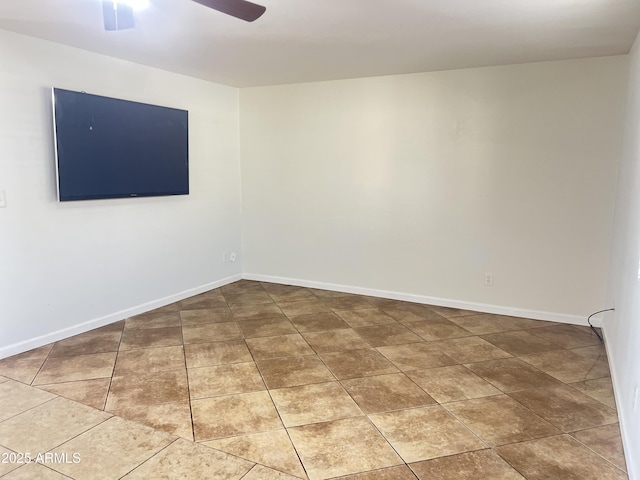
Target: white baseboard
[42,340]
[36,342]
[626,442]
[441,302]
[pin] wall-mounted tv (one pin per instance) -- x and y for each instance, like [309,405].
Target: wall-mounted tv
[111,148]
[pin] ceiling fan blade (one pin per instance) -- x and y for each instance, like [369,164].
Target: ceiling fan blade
[236,8]
[117,15]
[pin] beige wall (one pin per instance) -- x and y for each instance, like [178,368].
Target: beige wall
[419,184]
[69,267]
[622,327]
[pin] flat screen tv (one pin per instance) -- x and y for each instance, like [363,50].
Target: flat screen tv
[112,148]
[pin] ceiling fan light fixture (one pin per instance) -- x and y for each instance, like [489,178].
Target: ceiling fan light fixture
[136,5]
[117,15]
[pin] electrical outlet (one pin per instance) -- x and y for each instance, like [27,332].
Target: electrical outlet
[224,257]
[635,398]
[232,257]
[488,279]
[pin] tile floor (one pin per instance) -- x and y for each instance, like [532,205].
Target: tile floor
[265,381]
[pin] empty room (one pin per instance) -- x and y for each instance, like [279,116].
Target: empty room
[320,240]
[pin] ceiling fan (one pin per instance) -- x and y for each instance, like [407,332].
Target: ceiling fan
[118,15]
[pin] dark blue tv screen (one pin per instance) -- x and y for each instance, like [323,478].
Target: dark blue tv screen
[111,148]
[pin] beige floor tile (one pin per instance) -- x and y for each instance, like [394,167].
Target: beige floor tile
[279,346]
[111,449]
[87,343]
[353,302]
[364,317]
[449,312]
[216,353]
[147,389]
[401,472]
[149,360]
[224,380]
[318,322]
[321,293]
[600,388]
[266,327]
[211,332]
[597,351]
[183,459]
[500,420]
[567,336]
[297,295]
[7,462]
[206,315]
[606,442]
[425,433]
[416,356]
[381,302]
[133,338]
[478,465]
[304,307]
[16,398]
[88,392]
[294,371]
[452,383]
[250,312]
[79,367]
[273,449]
[415,313]
[384,393]
[566,408]
[242,286]
[432,332]
[521,342]
[24,366]
[487,323]
[260,472]
[388,303]
[3,379]
[342,447]
[317,403]
[110,327]
[154,319]
[559,457]
[171,307]
[512,374]
[389,334]
[570,366]
[32,471]
[212,299]
[335,340]
[483,324]
[357,363]
[247,298]
[48,425]
[172,418]
[471,349]
[220,417]
[282,287]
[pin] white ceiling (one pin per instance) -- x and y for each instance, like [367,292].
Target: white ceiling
[310,40]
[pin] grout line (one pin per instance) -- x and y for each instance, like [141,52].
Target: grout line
[153,455]
[113,369]
[31,408]
[591,449]
[42,364]
[186,372]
